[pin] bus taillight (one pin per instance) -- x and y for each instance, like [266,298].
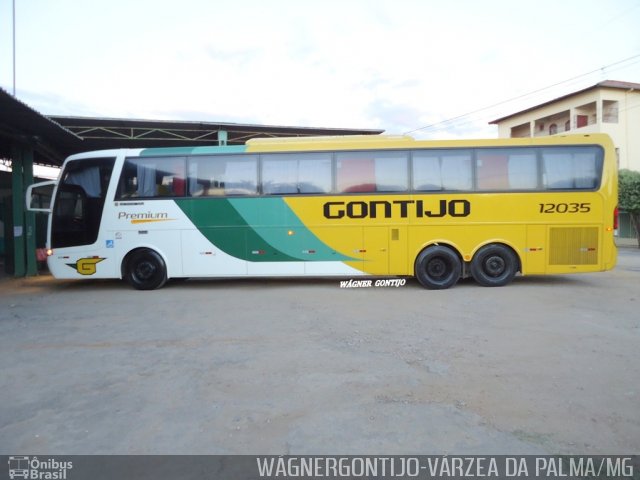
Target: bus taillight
[615,218]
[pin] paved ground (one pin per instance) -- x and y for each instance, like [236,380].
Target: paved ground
[547,364]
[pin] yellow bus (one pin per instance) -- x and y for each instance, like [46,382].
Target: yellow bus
[338,206]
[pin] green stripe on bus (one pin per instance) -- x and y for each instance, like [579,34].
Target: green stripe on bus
[256,230]
[183,151]
[280,227]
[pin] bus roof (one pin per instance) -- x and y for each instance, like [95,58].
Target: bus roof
[351,142]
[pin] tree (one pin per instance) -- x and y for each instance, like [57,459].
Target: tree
[629,197]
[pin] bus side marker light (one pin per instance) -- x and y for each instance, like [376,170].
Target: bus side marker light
[291,232]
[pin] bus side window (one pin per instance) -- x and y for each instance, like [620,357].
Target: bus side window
[170,177]
[492,170]
[355,174]
[577,168]
[219,175]
[438,170]
[293,173]
[426,172]
[365,172]
[506,169]
[152,177]
[314,173]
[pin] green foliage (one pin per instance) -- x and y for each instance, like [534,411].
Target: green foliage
[629,191]
[629,197]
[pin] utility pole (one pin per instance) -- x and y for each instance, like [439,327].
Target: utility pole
[14,48]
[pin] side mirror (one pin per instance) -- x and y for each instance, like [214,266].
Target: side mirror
[39,195]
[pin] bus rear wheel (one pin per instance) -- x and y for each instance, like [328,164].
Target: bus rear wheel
[494,265]
[438,267]
[145,269]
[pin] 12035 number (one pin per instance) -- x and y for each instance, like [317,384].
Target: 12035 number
[565,207]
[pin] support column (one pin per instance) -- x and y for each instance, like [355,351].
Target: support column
[29,217]
[17,194]
[599,113]
[24,222]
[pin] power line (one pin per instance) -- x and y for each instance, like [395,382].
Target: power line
[471,120]
[523,95]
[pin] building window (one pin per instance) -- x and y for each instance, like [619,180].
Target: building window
[521,131]
[582,121]
[553,129]
[610,111]
[567,125]
[586,115]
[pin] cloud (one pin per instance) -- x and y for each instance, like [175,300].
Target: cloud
[397,65]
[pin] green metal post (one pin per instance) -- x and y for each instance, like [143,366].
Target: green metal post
[17,193]
[29,217]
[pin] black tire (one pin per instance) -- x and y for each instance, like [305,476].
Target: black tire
[494,265]
[145,269]
[438,268]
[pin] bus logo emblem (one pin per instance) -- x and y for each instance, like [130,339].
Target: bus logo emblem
[19,467]
[86,266]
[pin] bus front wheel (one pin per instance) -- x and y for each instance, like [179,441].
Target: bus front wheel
[494,265]
[438,267]
[145,269]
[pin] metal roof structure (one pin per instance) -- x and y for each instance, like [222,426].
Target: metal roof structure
[104,133]
[55,137]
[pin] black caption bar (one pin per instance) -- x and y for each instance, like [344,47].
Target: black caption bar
[240,467]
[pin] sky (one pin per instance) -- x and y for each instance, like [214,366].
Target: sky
[451,66]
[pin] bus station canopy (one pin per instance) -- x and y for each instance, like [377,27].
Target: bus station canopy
[22,125]
[28,138]
[53,138]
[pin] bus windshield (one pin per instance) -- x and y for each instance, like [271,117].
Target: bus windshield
[79,202]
